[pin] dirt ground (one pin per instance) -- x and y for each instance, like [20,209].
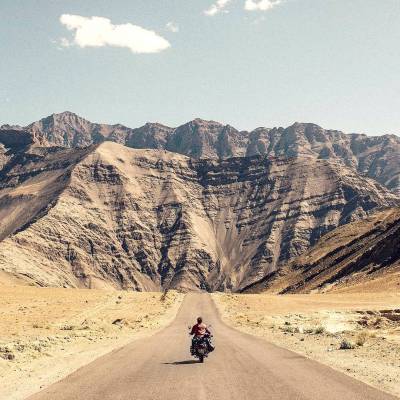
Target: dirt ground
[318,325]
[45,333]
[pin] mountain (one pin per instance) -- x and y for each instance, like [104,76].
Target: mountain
[376,157]
[363,254]
[110,216]
[69,130]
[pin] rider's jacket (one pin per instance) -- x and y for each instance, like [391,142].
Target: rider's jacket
[199,330]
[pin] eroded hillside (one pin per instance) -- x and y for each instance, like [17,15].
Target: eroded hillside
[111,216]
[362,255]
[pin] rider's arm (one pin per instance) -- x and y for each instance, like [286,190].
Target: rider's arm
[193,331]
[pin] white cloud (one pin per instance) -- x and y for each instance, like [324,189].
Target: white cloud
[61,43]
[100,32]
[261,5]
[217,7]
[172,26]
[64,42]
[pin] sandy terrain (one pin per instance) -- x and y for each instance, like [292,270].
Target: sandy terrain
[316,325]
[242,367]
[45,334]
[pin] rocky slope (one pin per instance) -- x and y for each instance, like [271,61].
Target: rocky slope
[362,253]
[107,215]
[376,157]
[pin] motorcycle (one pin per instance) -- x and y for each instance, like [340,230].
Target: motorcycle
[202,346]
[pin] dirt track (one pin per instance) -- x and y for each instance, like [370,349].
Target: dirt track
[242,367]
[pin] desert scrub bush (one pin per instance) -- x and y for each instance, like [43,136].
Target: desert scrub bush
[67,328]
[37,347]
[287,329]
[19,347]
[5,350]
[319,330]
[8,356]
[361,338]
[164,296]
[345,344]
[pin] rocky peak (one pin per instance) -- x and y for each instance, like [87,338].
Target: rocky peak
[197,139]
[377,157]
[63,129]
[200,127]
[9,127]
[154,126]
[204,122]
[57,121]
[66,115]
[150,136]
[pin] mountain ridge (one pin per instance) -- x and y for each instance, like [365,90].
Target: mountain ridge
[376,156]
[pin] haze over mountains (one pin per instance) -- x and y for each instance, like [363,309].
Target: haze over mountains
[219,210]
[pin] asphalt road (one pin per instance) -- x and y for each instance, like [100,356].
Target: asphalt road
[242,367]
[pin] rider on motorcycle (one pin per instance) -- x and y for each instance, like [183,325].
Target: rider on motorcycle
[200,331]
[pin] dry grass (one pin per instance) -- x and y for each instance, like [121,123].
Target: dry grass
[361,338]
[346,344]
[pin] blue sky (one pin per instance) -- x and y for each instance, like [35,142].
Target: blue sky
[242,62]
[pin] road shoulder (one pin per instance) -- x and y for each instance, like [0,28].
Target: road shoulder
[316,326]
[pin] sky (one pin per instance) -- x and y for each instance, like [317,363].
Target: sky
[248,63]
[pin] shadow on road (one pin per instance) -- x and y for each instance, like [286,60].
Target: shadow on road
[182,362]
